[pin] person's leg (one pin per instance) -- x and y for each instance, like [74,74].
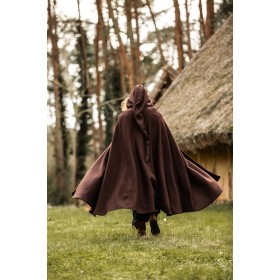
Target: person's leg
[139,222]
[153,223]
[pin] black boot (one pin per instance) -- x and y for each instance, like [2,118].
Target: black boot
[154,225]
[140,227]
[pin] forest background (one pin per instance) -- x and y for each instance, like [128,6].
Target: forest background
[97,52]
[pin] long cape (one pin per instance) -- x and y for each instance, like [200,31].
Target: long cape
[146,172]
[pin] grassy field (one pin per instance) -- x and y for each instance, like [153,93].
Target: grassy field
[191,246]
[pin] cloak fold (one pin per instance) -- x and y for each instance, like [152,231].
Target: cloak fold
[144,170]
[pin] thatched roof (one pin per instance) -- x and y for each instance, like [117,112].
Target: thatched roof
[168,74]
[198,105]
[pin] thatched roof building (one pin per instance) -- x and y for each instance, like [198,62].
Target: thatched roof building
[198,104]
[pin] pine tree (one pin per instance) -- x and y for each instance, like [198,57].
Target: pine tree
[188,30]
[179,36]
[209,23]
[123,52]
[224,10]
[84,120]
[112,106]
[59,146]
[98,75]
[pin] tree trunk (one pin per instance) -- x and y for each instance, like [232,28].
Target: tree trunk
[88,88]
[188,30]
[122,74]
[64,129]
[105,35]
[128,8]
[85,119]
[73,136]
[122,48]
[83,50]
[202,25]
[137,45]
[59,149]
[209,25]
[98,76]
[115,55]
[162,59]
[179,36]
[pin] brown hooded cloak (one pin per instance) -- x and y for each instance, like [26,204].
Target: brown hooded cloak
[144,170]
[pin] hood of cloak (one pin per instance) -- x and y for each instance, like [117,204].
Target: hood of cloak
[138,100]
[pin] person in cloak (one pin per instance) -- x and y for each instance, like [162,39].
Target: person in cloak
[144,170]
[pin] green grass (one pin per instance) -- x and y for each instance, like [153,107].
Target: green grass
[191,246]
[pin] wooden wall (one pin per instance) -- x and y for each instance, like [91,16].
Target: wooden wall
[218,159]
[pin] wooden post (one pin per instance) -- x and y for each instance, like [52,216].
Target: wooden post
[214,161]
[230,185]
